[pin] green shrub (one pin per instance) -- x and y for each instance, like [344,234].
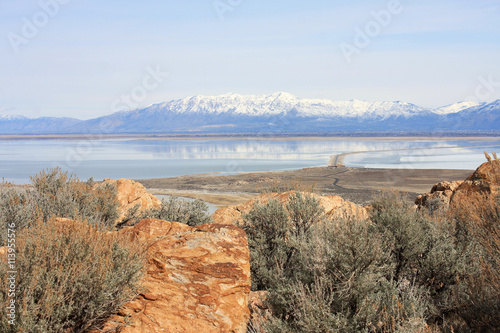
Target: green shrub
[178,210]
[55,194]
[407,230]
[17,207]
[70,277]
[400,271]
[340,285]
[60,195]
[275,232]
[426,251]
[305,211]
[267,228]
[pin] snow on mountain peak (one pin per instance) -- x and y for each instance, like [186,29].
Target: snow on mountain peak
[283,103]
[12,117]
[456,107]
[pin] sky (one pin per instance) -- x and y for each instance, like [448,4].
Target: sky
[88,58]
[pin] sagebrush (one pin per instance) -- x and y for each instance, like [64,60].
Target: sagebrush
[402,270]
[71,277]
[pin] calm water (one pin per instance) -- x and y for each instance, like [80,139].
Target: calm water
[144,158]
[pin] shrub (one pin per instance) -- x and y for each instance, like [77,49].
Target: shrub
[478,217]
[61,195]
[17,207]
[55,194]
[175,209]
[70,277]
[267,227]
[400,271]
[407,230]
[340,285]
[426,251]
[305,211]
[275,232]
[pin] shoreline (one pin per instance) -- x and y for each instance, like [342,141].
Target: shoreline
[337,160]
[358,185]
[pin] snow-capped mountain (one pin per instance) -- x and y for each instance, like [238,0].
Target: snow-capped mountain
[456,107]
[282,103]
[483,116]
[12,117]
[276,113]
[23,125]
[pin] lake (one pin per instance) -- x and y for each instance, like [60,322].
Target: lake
[141,157]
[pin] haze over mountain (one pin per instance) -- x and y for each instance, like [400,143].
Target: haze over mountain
[278,113]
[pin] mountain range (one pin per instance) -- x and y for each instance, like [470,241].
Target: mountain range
[278,113]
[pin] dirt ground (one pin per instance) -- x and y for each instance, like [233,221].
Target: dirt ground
[358,185]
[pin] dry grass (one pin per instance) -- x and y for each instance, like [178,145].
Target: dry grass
[292,185]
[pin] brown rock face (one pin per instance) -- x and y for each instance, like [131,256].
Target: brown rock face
[485,181]
[333,205]
[198,280]
[131,193]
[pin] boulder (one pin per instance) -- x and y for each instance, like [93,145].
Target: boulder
[446,186]
[197,280]
[334,207]
[439,196]
[131,193]
[484,181]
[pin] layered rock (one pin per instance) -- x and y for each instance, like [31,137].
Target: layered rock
[131,193]
[198,280]
[334,207]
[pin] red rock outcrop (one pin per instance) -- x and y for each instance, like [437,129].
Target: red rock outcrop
[333,205]
[484,181]
[131,193]
[198,280]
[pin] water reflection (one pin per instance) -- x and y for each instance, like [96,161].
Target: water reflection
[144,158]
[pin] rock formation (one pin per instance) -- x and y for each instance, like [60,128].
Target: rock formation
[439,196]
[484,181]
[130,194]
[197,280]
[333,205]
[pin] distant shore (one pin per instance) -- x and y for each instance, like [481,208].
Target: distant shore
[358,185]
[355,184]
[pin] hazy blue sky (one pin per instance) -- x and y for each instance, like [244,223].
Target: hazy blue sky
[84,58]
